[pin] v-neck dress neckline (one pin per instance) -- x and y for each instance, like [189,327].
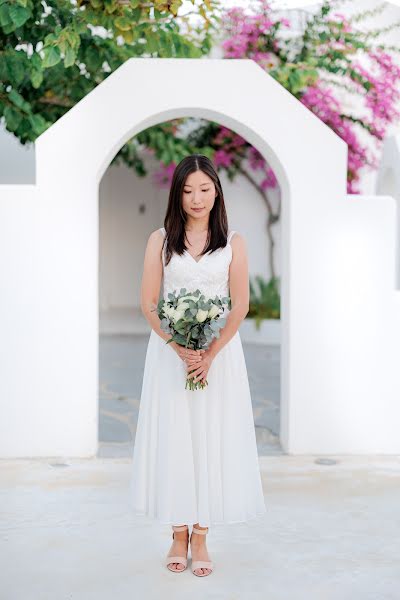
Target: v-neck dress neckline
[186,251]
[200,259]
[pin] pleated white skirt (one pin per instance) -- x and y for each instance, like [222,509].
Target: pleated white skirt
[195,454]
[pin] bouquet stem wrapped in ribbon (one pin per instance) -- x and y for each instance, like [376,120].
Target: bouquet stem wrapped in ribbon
[193,320]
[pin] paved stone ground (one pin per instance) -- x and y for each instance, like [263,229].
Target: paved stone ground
[330,533]
[121,370]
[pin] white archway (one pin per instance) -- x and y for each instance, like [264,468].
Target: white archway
[330,377]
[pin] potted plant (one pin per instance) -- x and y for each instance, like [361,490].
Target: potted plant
[262,323]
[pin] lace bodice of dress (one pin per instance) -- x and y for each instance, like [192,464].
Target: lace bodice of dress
[210,274]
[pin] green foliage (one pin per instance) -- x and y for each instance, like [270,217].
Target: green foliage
[294,77]
[326,46]
[165,142]
[264,299]
[54,53]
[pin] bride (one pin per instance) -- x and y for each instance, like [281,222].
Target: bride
[195,456]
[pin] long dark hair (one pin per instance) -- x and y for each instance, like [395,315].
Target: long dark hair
[175,218]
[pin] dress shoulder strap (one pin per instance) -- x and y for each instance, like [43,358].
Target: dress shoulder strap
[162,229]
[230,236]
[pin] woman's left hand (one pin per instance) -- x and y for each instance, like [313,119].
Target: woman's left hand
[200,372]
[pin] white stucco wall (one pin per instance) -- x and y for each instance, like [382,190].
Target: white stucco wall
[388,182]
[388,179]
[340,305]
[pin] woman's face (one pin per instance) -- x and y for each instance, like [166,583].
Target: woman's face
[198,192]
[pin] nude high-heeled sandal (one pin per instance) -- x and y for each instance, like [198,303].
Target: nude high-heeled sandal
[177,559]
[201,564]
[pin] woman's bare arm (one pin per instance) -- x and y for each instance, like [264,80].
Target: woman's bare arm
[151,282]
[239,293]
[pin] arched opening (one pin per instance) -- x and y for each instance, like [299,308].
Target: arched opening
[129,209]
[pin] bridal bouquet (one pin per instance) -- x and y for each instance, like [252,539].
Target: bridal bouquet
[193,320]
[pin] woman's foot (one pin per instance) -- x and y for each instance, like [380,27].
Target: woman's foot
[198,549]
[179,547]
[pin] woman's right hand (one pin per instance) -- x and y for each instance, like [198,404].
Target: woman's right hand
[190,357]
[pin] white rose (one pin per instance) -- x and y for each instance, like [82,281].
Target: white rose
[178,314]
[201,315]
[183,305]
[168,310]
[214,311]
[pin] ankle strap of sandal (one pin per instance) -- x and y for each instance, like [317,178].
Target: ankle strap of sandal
[202,531]
[179,527]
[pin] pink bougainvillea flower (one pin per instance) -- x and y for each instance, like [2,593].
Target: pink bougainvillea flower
[222,158]
[269,180]
[256,36]
[323,103]
[163,177]
[256,160]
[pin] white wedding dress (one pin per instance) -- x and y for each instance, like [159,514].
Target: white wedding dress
[195,454]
